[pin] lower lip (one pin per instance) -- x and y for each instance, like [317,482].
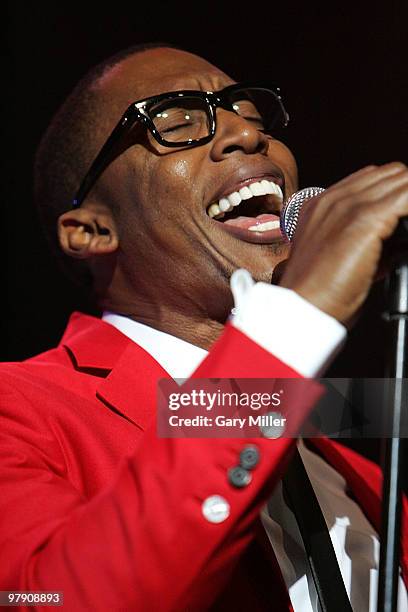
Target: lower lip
[273,236]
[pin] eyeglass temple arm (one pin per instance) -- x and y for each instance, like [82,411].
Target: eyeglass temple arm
[101,160]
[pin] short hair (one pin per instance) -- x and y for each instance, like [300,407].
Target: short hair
[65,153]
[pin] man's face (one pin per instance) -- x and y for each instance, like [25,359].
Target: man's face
[169,240]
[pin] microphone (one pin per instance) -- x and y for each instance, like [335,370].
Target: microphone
[290,213]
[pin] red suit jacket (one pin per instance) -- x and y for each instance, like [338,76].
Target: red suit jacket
[94,504]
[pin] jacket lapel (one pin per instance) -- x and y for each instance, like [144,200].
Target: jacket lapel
[128,375]
[131,387]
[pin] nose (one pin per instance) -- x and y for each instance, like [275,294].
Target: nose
[235,133]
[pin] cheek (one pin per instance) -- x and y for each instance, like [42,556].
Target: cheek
[283,155]
[181,168]
[173,185]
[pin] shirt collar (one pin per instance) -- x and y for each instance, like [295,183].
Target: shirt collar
[178,357]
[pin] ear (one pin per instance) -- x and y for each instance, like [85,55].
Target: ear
[87,232]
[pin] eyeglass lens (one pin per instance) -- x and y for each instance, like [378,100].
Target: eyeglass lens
[181,119]
[259,106]
[187,118]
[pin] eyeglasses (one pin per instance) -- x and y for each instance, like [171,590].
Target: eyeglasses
[185,119]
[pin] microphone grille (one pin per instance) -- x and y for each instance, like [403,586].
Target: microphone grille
[290,213]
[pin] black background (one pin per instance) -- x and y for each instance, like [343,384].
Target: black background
[342,70]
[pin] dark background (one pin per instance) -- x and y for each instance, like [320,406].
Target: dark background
[342,70]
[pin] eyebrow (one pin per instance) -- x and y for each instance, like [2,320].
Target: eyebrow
[187,83]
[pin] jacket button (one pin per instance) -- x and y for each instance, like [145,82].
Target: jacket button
[215,509]
[239,477]
[249,457]
[274,426]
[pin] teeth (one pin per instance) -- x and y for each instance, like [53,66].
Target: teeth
[258,188]
[224,205]
[268,186]
[214,210]
[234,199]
[265,227]
[277,190]
[245,193]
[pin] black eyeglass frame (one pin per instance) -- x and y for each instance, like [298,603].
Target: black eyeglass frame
[137,112]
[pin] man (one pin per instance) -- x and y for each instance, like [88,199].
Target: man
[95,504]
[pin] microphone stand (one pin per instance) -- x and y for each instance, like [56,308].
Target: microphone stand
[396,401]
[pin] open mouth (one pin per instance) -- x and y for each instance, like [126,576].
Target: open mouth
[252,213]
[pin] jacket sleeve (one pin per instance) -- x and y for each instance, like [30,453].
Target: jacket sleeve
[144,542]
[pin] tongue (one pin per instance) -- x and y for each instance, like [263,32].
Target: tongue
[247,222]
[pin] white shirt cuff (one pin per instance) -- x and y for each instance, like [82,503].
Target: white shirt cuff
[285,324]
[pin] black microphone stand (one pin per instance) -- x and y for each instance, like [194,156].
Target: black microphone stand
[396,401]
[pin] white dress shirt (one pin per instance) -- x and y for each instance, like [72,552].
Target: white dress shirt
[306,339]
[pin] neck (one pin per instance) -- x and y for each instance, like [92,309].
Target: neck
[180,306]
[198,330]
